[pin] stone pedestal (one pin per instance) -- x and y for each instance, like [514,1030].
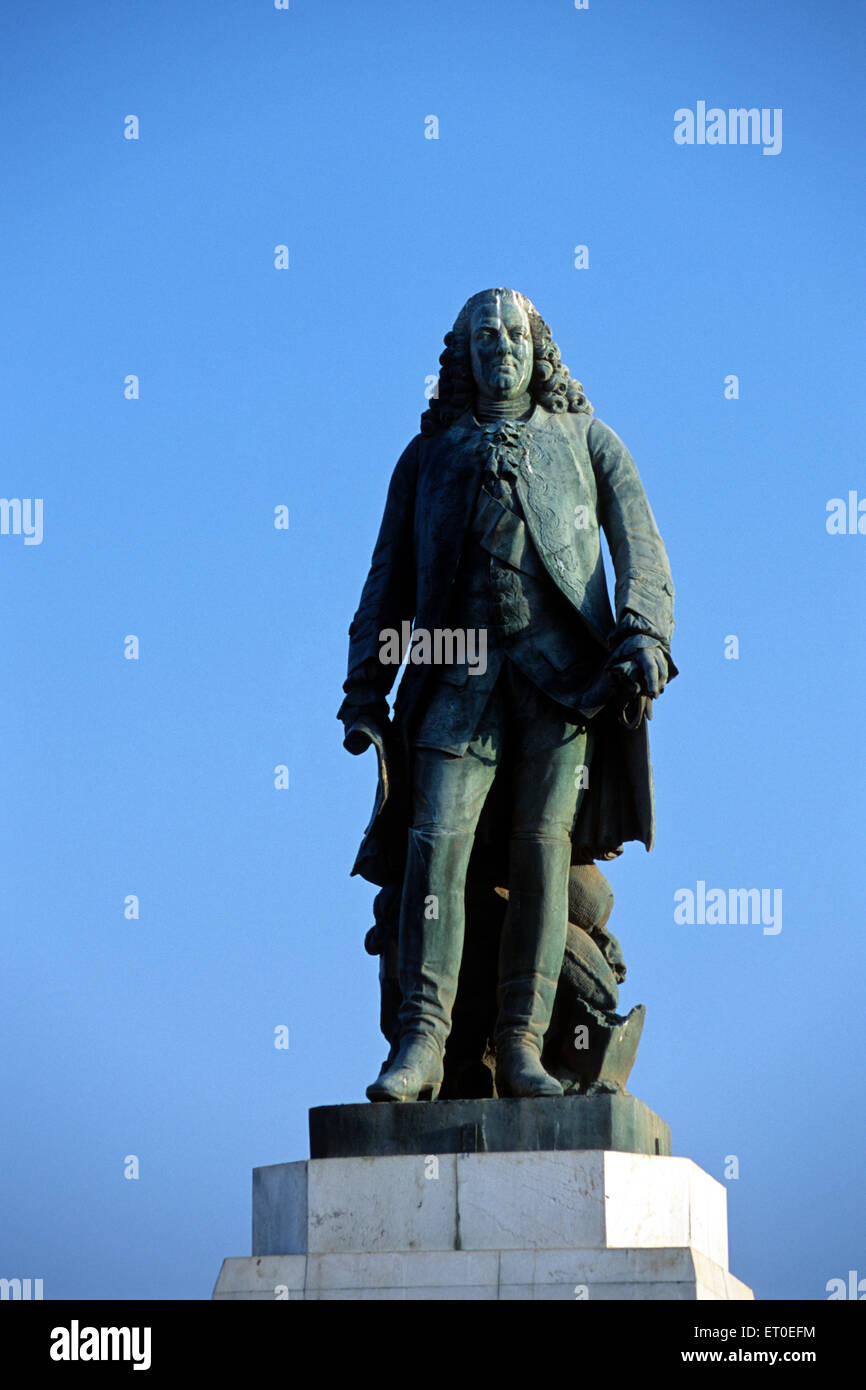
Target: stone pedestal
[618,1121]
[549,1223]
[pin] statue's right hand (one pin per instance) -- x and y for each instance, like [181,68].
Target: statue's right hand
[362,733]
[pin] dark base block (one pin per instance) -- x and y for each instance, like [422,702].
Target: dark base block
[620,1123]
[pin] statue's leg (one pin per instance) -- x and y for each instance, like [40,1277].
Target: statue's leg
[448,796]
[547,787]
[533,942]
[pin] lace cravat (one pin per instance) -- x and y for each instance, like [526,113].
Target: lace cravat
[503,451]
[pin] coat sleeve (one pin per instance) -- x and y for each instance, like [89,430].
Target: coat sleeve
[644,596]
[388,596]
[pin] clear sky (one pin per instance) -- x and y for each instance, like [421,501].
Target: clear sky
[154,257]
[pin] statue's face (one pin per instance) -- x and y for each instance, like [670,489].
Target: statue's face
[500,345]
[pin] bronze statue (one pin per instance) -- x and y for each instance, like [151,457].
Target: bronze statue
[518,753]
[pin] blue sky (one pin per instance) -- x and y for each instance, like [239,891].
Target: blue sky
[259,387]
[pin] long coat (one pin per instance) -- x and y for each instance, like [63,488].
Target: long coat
[576,479]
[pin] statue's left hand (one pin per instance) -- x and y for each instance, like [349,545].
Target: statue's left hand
[652,672]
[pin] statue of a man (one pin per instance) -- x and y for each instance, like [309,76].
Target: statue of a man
[492,527]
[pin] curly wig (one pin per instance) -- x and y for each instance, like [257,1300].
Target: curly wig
[551,384]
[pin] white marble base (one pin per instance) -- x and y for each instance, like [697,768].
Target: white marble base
[495,1274]
[570,1225]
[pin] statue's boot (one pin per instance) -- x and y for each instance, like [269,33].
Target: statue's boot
[415,1074]
[530,961]
[432,919]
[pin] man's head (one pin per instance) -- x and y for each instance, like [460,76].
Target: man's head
[500,346]
[499,349]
